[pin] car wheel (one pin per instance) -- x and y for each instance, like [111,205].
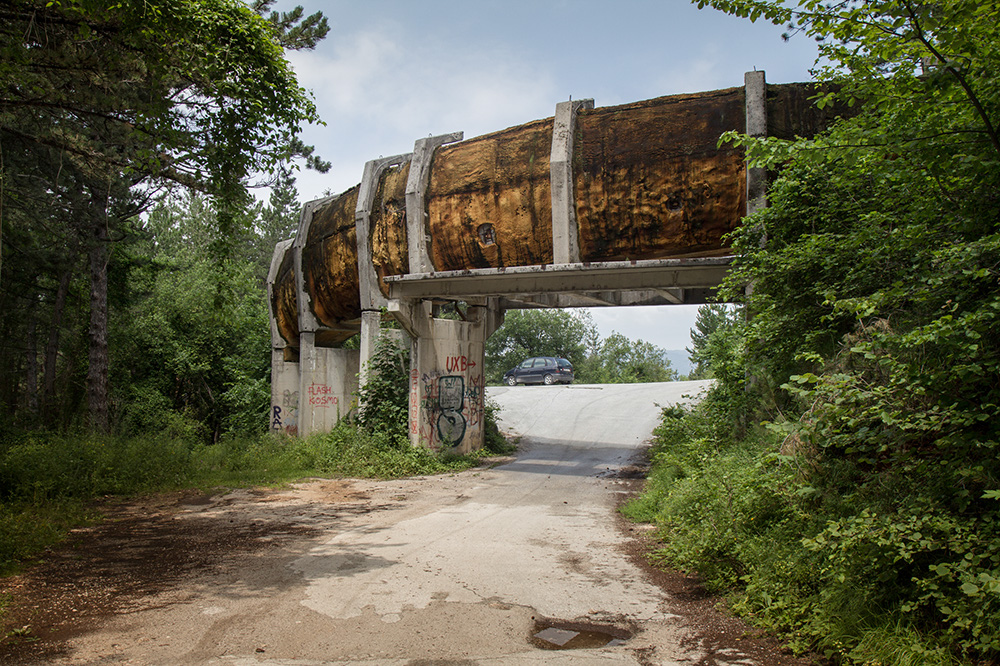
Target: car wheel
[511,381]
[549,380]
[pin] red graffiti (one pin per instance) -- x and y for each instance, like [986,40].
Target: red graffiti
[459,363]
[414,401]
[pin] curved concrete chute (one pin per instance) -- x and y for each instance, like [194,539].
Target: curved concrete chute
[622,205]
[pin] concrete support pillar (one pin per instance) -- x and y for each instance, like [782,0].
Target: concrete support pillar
[447,387]
[418,240]
[372,299]
[371,328]
[327,377]
[284,413]
[565,235]
[756,125]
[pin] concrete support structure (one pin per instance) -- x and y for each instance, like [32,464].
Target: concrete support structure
[418,240]
[312,385]
[565,235]
[372,300]
[284,412]
[447,389]
[327,378]
[756,125]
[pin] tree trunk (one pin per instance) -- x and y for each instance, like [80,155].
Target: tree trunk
[97,372]
[31,363]
[52,348]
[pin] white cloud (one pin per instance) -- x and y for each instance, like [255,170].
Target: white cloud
[377,98]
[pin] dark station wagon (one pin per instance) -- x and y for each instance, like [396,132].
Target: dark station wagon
[540,370]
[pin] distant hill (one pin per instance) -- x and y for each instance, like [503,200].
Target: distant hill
[679,360]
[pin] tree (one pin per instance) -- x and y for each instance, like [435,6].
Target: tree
[710,318]
[873,331]
[183,362]
[104,104]
[573,336]
[618,360]
[527,333]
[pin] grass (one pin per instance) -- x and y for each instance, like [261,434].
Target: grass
[47,481]
[748,520]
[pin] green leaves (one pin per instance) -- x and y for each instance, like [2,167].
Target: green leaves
[871,332]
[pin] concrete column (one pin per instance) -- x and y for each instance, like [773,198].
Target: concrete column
[371,321]
[284,412]
[327,377]
[447,388]
[418,240]
[756,125]
[327,382]
[372,299]
[447,395]
[565,236]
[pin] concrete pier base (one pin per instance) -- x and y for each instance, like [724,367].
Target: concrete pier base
[447,390]
[328,379]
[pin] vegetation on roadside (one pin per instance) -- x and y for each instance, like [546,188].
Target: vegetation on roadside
[841,481]
[47,479]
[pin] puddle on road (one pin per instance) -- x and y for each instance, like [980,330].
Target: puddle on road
[554,635]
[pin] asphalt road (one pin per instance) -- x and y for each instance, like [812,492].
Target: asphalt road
[490,566]
[533,537]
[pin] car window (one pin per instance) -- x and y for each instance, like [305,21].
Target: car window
[527,364]
[563,363]
[539,362]
[549,363]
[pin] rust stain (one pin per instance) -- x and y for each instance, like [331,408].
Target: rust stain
[283,301]
[388,225]
[650,182]
[500,179]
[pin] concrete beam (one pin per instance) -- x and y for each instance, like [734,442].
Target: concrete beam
[565,235]
[307,319]
[675,296]
[564,278]
[418,240]
[371,295]
[756,125]
[625,298]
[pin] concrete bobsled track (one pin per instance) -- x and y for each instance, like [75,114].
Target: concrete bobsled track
[624,205]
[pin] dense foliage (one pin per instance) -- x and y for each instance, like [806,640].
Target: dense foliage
[101,107]
[864,520]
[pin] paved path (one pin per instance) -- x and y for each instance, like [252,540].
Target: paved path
[467,568]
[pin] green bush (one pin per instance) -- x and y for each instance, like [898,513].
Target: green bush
[863,568]
[384,399]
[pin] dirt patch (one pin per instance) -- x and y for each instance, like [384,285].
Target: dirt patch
[156,552]
[149,546]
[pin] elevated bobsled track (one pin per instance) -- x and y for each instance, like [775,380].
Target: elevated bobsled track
[624,205]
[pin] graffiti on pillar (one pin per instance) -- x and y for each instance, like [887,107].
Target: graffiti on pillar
[451,398]
[459,364]
[414,402]
[474,400]
[321,395]
[449,404]
[286,415]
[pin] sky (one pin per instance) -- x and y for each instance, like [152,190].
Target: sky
[393,71]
